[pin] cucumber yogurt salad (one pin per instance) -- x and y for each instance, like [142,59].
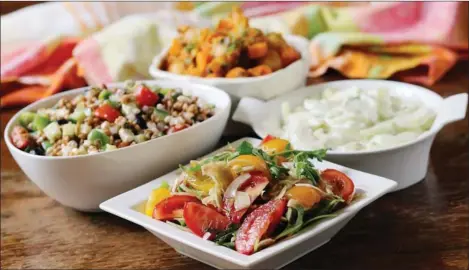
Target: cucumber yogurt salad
[354,119]
[105,119]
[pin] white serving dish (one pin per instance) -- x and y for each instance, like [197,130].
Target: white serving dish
[83,182]
[129,206]
[407,163]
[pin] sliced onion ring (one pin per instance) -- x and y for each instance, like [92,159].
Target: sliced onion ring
[234,186]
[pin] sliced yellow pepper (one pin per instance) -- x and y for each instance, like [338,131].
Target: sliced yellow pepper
[156,196]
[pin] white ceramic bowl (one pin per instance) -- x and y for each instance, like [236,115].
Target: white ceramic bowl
[83,182]
[407,163]
[263,87]
[129,206]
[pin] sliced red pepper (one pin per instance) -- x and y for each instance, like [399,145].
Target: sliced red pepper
[20,137]
[267,138]
[258,224]
[107,112]
[145,97]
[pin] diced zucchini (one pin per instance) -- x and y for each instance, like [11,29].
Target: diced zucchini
[140,138]
[87,111]
[130,109]
[98,137]
[68,130]
[160,114]
[104,95]
[165,91]
[113,103]
[77,116]
[53,132]
[46,144]
[26,118]
[80,106]
[110,147]
[126,135]
[40,122]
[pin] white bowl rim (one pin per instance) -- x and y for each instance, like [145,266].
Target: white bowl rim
[111,85]
[154,70]
[423,136]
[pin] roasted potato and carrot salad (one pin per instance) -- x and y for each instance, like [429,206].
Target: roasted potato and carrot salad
[231,50]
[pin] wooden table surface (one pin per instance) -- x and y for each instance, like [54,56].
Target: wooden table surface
[422,227]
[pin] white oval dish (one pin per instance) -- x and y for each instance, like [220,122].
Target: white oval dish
[129,206]
[83,182]
[264,87]
[407,163]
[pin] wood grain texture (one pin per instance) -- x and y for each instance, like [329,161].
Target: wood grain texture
[422,227]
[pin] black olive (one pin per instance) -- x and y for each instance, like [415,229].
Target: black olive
[160,97]
[38,151]
[62,121]
[140,121]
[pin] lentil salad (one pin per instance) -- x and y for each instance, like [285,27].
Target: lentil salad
[104,119]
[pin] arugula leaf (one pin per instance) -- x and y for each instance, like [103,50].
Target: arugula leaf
[317,218]
[293,228]
[224,237]
[245,148]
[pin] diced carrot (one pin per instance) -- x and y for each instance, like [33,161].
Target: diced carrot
[260,70]
[257,50]
[236,73]
[289,55]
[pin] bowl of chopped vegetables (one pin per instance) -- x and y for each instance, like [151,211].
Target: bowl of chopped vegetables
[250,205]
[86,145]
[380,127]
[241,60]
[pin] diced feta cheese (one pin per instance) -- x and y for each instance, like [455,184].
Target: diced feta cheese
[126,135]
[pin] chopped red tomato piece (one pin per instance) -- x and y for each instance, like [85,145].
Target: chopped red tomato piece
[172,207]
[267,138]
[20,137]
[177,128]
[253,187]
[145,97]
[340,183]
[107,112]
[202,219]
[258,224]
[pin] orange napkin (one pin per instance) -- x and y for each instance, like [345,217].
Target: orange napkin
[30,73]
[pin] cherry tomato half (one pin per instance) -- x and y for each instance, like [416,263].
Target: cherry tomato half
[20,137]
[258,223]
[172,207]
[340,183]
[145,97]
[107,112]
[245,161]
[201,219]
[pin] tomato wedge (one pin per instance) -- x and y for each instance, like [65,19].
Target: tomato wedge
[172,207]
[259,223]
[145,97]
[340,183]
[253,187]
[177,128]
[20,137]
[201,219]
[107,112]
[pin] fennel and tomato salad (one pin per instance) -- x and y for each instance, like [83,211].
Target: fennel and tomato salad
[249,197]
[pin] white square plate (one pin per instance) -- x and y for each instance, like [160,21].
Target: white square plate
[129,206]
